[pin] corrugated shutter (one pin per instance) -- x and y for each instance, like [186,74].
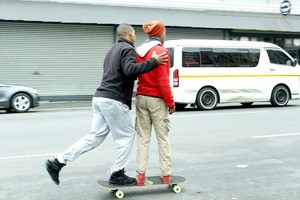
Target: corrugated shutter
[56,59]
[181,33]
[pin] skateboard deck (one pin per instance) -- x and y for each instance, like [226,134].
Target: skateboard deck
[150,182]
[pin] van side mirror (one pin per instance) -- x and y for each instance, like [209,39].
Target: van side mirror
[295,62]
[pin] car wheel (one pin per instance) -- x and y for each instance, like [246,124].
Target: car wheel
[280,96]
[21,102]
[207,98]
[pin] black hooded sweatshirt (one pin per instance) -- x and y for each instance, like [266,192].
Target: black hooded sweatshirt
[120,70]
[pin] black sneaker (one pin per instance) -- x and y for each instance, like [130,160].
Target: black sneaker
[53,167]
[119,178]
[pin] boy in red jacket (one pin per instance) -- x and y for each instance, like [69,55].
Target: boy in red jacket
[154,103]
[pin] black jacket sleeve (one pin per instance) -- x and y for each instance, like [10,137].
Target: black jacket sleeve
[133,69]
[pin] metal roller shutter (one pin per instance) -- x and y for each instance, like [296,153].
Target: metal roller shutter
[56,59]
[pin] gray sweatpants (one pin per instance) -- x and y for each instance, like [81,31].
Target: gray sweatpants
[109,116]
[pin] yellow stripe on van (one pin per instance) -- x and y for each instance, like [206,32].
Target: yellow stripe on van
[235,75]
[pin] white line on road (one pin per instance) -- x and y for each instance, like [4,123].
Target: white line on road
[279,135]
[31,156]
[241,166]
[26,156]
[214,114]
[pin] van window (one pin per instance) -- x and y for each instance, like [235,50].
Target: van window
[219,57]
[171,52]
[278,57]
[254,57]
[244,58]
[207,59]
[231,58]
[191,57]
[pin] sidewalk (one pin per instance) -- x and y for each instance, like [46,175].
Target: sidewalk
[63,105]
[67,105]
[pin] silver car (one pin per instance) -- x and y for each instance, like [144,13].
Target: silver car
[16,98]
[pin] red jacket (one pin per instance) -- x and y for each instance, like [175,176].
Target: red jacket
[155,83]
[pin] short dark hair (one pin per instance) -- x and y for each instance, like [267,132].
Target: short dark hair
[123,29]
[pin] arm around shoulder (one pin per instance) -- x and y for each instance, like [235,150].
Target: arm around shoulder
[131,68]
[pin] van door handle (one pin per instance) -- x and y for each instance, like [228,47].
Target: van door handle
[272,70]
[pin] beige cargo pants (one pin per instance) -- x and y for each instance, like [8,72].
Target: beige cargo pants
[152,111]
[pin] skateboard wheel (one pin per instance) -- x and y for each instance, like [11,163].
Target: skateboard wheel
[177,189]
[119,194]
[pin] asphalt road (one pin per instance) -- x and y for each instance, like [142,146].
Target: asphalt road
[231,153]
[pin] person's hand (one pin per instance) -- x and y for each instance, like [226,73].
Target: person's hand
[172,110]
[161,58]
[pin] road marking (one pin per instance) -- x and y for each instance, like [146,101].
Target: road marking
[279,135]
[214,114]
[241,166]
[26,156]
[31,156]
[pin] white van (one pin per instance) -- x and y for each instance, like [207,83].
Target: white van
[204,73]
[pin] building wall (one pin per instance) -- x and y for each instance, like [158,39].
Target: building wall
[58,46]
[222,14]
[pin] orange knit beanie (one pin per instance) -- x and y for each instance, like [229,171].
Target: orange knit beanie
[154,28]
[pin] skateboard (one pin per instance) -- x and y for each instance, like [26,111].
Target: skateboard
[150,182]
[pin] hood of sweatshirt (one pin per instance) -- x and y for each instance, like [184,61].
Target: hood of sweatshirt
[145,47]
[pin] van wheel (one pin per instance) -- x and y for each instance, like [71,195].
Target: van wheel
[207,99]
[280,96]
